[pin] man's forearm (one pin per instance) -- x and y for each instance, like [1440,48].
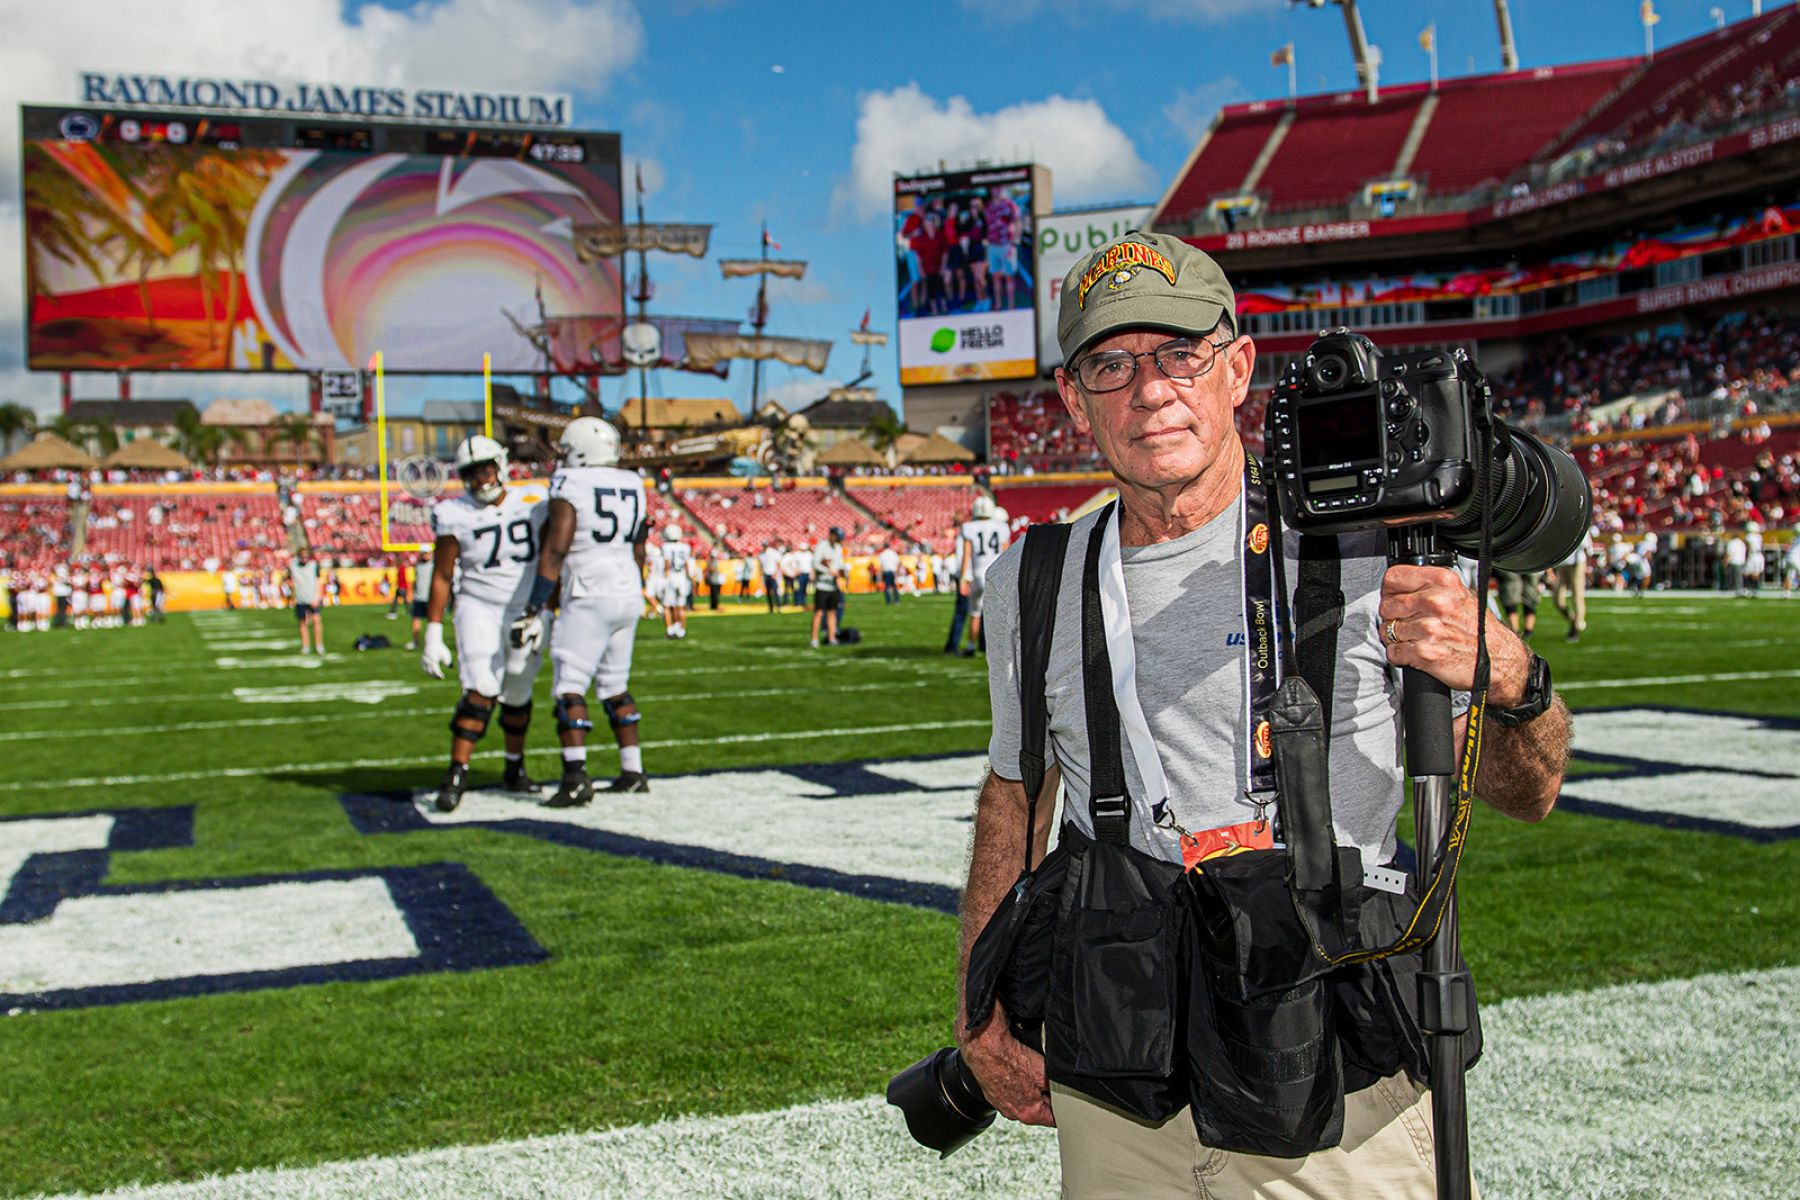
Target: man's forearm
[996,856]
[1522,768]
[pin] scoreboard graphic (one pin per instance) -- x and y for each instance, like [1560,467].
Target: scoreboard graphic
[185,242]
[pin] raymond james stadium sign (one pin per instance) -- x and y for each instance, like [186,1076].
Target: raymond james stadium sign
[323,99]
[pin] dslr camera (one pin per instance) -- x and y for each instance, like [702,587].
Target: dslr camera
[1360,440]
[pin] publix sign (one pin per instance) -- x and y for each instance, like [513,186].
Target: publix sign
[1063,239]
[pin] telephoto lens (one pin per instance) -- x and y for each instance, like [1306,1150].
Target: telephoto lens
[942,1102]
[1538,502]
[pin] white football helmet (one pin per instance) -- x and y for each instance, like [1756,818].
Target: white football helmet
[671,532]
[1002,516]
[983,508]
[589,442]
[471,453]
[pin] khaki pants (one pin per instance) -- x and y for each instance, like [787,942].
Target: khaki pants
[1386,1154]
[1569,594]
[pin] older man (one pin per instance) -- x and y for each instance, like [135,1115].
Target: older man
[1154,373]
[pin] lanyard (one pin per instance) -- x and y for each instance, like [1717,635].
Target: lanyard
[1106,579]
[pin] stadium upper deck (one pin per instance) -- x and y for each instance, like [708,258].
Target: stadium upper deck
[1477,163]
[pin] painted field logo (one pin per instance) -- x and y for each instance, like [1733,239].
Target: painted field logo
[69,940]
[1719,772]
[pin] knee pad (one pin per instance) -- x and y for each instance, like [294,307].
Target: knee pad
[468,710]
[612,707]
[566,707]
[515,718]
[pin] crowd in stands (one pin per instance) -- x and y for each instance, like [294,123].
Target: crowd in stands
[1694,483]
[34,531]
[1734,361]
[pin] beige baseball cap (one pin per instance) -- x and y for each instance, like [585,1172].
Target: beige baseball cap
[1141,281]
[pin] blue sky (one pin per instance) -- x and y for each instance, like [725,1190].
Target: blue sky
[796,113]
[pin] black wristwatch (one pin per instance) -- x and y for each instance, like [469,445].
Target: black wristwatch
[1538,695]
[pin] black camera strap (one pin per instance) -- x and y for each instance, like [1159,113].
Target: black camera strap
[1108,805]
[1040,582]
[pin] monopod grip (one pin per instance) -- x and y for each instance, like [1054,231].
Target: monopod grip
[1430,748]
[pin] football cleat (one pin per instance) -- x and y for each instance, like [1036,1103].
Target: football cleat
[455,784]
[517,780]
[575,790]
[630,781]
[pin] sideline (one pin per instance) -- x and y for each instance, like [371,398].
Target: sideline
[1641,1089]
[316,768]
[375,712]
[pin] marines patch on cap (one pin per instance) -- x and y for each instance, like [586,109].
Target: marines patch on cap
[1120,264]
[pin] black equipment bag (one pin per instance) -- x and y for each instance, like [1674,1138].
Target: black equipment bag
[1258,989]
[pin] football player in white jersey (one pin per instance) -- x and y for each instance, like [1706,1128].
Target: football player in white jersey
[594,545]
[678,584]
[492,534]
[979,543]
[653,577]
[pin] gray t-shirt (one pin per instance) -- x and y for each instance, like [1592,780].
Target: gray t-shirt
[1186,600]
[305,577]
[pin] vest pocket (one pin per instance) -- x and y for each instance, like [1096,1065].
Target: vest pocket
[1115,967]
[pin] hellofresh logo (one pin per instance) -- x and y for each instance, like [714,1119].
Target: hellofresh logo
[943,341]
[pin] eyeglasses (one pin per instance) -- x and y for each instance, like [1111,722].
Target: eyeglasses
[1183,358]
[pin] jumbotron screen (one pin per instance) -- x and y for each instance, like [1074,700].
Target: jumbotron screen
[966,274]
[186,242]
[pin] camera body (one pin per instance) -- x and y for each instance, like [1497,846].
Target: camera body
[1358,439]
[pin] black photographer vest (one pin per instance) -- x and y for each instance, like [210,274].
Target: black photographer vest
[1256,989]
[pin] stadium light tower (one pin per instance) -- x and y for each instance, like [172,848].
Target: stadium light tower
[1509,52]
[1368,58]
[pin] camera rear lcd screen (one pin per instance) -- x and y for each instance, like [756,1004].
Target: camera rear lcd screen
[1340,431]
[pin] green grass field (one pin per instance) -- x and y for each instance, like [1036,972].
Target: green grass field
[674,990]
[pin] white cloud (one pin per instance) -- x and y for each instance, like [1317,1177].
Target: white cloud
[799,391]
[801,291]
[468,45]
[1193,109]
[653,174]
[1204,11]
[904,130]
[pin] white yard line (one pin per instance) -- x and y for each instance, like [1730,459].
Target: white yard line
[366,712]
[313,768]
[1661,680]
[1683,1088]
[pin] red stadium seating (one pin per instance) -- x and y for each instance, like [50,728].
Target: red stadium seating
[1486,129]
[1040,502]
[188,531]
[1686,81]
[1330,153]
[34,532]
[1225,159]
[927,516]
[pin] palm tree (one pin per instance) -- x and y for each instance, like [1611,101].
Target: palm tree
[203,443]
[296,429]
[15,419]
[884,429]
[96,437]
